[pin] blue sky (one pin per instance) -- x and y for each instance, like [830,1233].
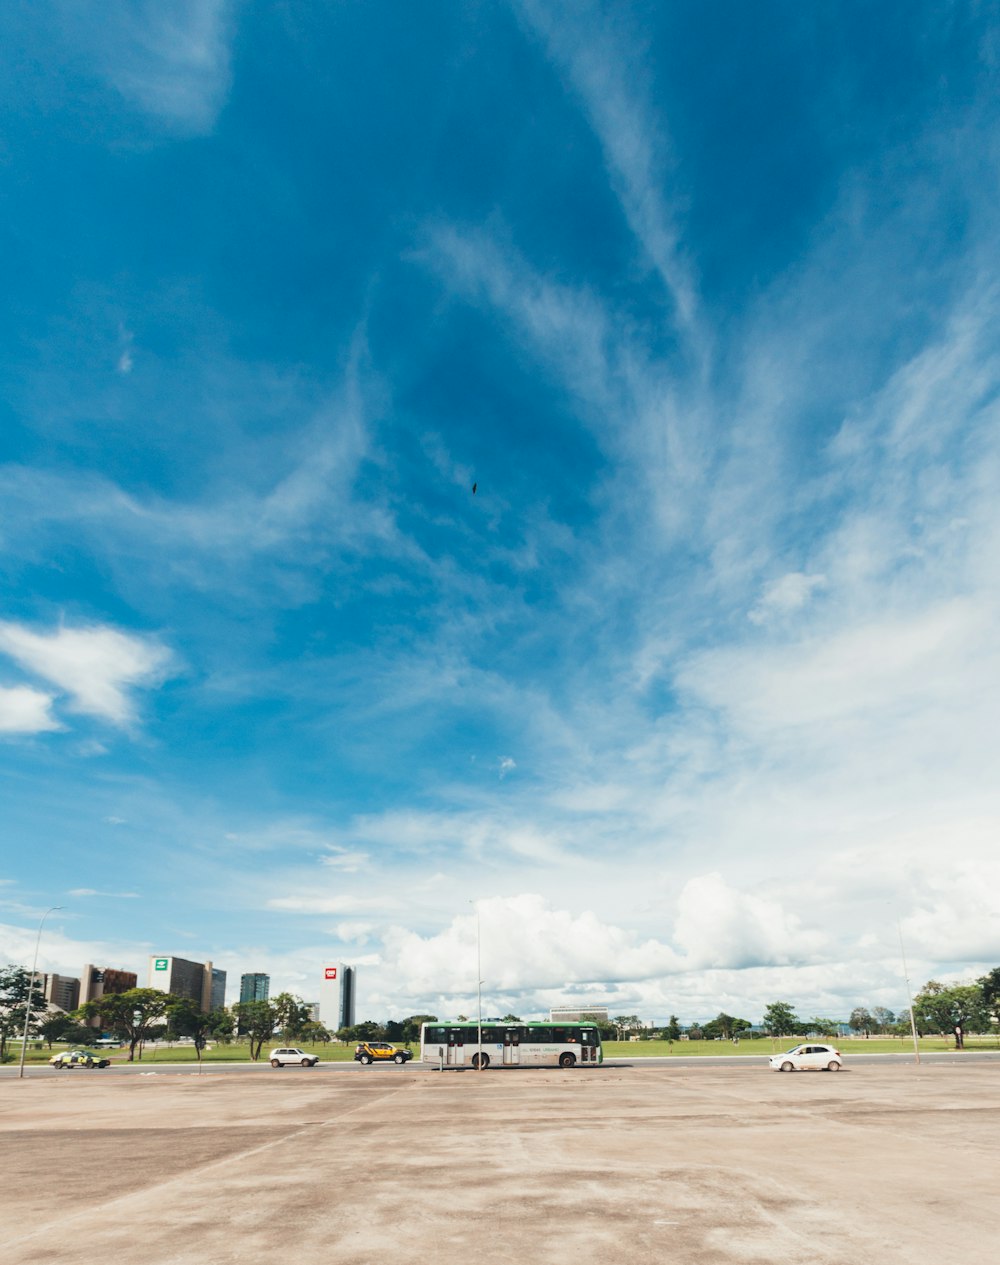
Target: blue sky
[697,694]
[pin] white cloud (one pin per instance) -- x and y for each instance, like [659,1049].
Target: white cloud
[171,60]
[606,71]
[90,891]
[26,711]
[97,666]
[719,926]
[786,595]
[307,904]
[526,945]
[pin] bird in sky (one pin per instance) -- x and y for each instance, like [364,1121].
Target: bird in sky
[474,486]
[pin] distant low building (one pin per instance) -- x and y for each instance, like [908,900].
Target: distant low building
[576,1014]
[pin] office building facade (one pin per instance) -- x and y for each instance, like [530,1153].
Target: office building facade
[62,991]
[97,981]
[336,996]
[255,987]
[200,982]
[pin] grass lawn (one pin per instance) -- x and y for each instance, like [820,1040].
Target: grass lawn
[765,1046]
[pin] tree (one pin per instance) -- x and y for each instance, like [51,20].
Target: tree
[861,1021]
[626,1024]
[367,1030]
[512,1019]
[256,1020]
[825,1027]
[989,985]
[411,1026]
[780,1020]
[15,989]
[672,1032]
[62,1027]
[958,1010]
[314,1031]
[884,1018]
[292,1016]
[724,1026]
[134,1016]
[186,1018]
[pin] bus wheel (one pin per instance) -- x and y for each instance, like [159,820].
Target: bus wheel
[567,1060]
[481,1060]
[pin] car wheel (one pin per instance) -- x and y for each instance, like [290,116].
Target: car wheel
[787,1067]
[481,1061]
[307,1062]
[365,1059]
[833,1067]
[567,1060]
[399,1058]
[275,1062]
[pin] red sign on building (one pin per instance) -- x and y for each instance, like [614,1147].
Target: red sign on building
[330,972]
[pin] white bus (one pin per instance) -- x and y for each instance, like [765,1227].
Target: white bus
[511,1044]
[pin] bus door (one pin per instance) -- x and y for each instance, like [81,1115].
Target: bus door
[455,1051]
[511,1047]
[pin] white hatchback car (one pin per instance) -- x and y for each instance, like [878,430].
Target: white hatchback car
[290,1054]
[808,1058]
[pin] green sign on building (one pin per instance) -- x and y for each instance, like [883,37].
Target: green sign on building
[160,964]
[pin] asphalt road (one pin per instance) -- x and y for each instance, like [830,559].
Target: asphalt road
[707,1064]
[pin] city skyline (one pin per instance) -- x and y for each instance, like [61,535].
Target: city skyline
[503,493]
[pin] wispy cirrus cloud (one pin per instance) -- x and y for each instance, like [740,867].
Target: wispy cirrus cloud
[606,70]
[171,61]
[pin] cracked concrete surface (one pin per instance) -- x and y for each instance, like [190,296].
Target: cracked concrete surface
[718,1165]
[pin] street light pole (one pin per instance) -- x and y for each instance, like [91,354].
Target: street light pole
[479,987]
[909,992]
[31,989]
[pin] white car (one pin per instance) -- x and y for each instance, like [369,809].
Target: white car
[289,1054]
[808,1058]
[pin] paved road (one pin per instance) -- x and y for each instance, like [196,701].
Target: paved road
[707,1064]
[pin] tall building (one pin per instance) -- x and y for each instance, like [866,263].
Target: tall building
[336,996]
[255,987]
[59,990]
[198,981]
[98,980]
[218,990]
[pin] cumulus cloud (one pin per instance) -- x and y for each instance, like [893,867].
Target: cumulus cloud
[26,711]
[526,944]
[719,926]
[97,666]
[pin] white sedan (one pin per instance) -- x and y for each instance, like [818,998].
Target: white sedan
[292,1054]
[808,1058]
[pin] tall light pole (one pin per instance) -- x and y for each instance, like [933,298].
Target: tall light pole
[31,989]
[909,991]
[479,986]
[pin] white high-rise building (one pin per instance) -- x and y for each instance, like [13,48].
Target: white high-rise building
[336,996]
